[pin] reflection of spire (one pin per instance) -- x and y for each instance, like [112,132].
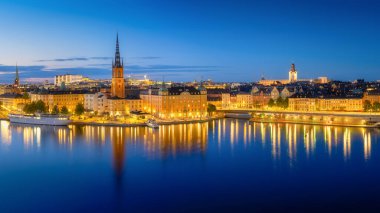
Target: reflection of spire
[117,140]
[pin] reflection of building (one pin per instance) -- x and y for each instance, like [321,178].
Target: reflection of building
[176,102]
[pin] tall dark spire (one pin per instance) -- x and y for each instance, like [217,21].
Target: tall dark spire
[17,79]
[117,62]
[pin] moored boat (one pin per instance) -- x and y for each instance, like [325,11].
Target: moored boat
[40,119]
[152,123]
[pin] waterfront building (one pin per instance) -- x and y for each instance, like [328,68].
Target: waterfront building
[372,96]
[67,79]
[340,104]
[288,91]
[352,104]
[124,106]
[96,102]
[260,97]
[175,102]
[303,104]
[13,101]
[70,99]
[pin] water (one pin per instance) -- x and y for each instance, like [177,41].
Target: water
[222,166]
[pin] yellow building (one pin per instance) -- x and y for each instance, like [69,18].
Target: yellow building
[13,102]
[175,102]
[70,99]
[326,104]
[340,104]
[124,106]
[303,104]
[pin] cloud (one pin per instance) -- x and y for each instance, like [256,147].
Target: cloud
[170,68]
[147,57]
[75,59]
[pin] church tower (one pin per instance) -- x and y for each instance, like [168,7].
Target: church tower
[118,84]
[17,79]
[292,74]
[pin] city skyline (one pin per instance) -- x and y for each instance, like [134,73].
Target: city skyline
[238,41]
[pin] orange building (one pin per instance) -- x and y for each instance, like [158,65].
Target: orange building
[118,82]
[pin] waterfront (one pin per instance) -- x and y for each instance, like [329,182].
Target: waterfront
[222,165]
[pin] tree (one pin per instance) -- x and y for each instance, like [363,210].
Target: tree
[367,105]
[79,109]
[279,102]
[271,103]
[25,95]
[40,106]
[64,110]
[55,110]
[211,108]
[35,106]
[286,103]
[376,106]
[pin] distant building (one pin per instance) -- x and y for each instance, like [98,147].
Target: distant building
[67,79]
[292,74]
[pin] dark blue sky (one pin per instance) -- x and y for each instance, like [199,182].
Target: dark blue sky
[190,40]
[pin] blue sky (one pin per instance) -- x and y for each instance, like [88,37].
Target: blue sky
[189,40]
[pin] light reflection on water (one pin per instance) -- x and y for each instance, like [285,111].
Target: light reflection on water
[171,140]
[242,161]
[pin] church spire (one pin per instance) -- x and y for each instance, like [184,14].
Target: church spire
[117,62]
[17,79]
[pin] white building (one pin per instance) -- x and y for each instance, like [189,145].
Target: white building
[67,78]
[96,102]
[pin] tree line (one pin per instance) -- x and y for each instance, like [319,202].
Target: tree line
[368,106]
[280,102]
[40,107]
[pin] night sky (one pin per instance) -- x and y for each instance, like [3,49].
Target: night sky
[191,40]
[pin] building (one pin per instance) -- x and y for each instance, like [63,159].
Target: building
[96,102]
[175,102]
[13,101]
[292,74]
[118,81]
[326,104]
[372,96]
[303,104]
[70,99]
[340,104]
[67,79]
[122,107]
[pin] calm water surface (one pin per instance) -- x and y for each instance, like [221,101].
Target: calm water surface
[221,166]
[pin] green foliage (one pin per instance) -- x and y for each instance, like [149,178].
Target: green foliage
[367,105]
[271,103]
[79,109]
[35,106]
[55,110]
[25,95]
[211,108]
[64,110]
[376,106]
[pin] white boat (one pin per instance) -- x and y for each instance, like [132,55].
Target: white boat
[40,119]
[152,123]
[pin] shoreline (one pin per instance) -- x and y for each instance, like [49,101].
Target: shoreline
[311,123]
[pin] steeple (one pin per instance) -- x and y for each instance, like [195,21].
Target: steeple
[17,79]
[293,68]
[117,63]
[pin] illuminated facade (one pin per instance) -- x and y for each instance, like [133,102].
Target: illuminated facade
[67,79]
[118,82]
[124,106]
[13,101]
[292,74]
[70,99]
[326,104]
[175,102]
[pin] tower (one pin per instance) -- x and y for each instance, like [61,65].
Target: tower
[118,84]
[17,79]
[292,74]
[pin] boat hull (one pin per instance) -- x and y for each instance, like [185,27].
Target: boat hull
[53,121]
